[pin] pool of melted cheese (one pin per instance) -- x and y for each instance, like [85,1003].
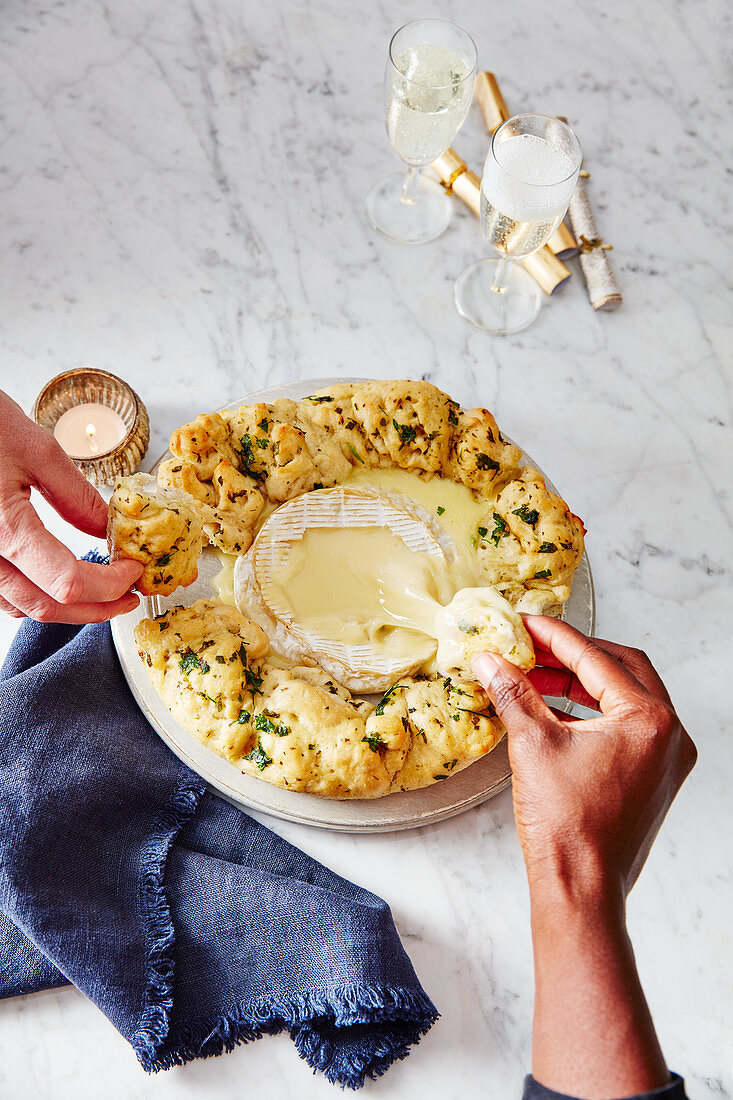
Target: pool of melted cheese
[455,509]
[363,585]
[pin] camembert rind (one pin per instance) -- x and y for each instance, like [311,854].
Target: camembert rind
[373,664]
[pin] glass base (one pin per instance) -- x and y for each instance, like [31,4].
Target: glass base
[409,222]
[511,311]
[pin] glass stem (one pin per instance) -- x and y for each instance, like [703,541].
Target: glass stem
[409,187]
[502,271]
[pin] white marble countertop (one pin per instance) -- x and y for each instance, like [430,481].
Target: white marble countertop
[183,191]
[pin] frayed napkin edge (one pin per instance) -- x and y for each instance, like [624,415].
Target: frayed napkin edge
[159,931]
[410,1010]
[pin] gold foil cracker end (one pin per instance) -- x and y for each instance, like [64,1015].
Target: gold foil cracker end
[448,184]
[491,101]
[589,244]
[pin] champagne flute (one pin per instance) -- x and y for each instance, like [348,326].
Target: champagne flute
[428,85]
[529,177]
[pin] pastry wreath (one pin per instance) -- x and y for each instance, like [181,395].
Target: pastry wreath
[298,728]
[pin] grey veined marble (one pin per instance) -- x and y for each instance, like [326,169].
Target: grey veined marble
[182,203]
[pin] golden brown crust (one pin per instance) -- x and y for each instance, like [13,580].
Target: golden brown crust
[271,451]
[290,447]
[239,505]
[331,466]
[232,501]
[480,457]
[158,528]
[203,443]
[294,728]
[533,542]
[406,424]
[448,724]
[332,409]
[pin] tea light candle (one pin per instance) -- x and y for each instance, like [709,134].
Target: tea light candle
[99,421]
[89,430]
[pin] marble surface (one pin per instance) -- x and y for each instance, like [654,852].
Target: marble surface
[183,192]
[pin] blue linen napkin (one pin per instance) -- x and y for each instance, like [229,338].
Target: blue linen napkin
[191,926]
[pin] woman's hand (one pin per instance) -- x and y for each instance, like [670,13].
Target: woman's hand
[589,798]
[39,576]
[589,795]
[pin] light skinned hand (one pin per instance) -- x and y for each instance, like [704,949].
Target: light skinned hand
[39,576]
[589,798]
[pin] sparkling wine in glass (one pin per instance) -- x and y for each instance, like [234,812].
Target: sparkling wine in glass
[529,176]
[428,86]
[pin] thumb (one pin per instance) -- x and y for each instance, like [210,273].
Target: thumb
[517,702]
[68,491]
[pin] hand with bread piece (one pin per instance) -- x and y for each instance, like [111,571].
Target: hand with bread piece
[39,577]
[589,798]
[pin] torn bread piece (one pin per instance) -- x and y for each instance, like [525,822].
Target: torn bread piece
[161,528]
[479,620]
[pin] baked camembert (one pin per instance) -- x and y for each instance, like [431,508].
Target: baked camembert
[382,538]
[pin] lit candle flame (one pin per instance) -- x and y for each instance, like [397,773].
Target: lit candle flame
[91,431]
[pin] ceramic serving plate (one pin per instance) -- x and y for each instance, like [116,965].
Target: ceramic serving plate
[482,780]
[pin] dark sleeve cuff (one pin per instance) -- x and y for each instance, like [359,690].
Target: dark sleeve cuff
[675,1090]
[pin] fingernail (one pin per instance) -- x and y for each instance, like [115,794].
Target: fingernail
[485,667]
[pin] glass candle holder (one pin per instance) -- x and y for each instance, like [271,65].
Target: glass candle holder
[107,453]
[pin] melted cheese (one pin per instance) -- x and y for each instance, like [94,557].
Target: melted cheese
[362,587]
[223,582]
[456,510]
[479,619]
[350,585]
